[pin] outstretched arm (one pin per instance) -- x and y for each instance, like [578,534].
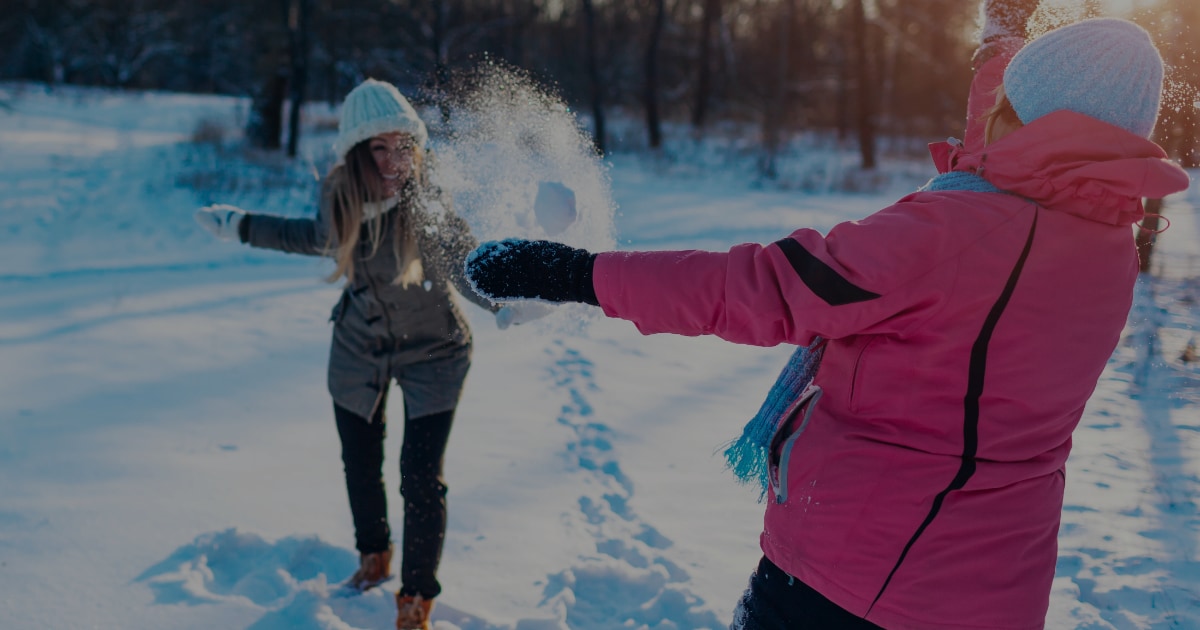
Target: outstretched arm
[310,237]
[1002,35]
[297,236]
[879,275]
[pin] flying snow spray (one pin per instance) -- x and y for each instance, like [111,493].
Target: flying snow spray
[518,164]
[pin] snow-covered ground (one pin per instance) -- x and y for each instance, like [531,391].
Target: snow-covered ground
[168,457]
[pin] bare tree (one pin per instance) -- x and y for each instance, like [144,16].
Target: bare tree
[829,66]
[131,42]
[1187,77]
[299,27]
[865,104]
[651,88]
[45,44]
[1147,233]
[109,42]
[265,126]
[775,114]
[439,40]
[704,63]
[213,56]
[593,70]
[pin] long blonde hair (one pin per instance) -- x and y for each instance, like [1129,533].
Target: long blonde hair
[1002,111]
[352,184]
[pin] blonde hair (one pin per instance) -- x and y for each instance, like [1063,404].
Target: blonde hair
[352,184]
[1002,111]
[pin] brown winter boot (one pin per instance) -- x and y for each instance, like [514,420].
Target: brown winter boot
[413,612]
[373,569]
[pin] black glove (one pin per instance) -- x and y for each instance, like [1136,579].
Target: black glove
[516,269]
[1003,20]
[1007,18]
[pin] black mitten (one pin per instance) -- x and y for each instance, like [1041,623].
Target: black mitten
[520,269]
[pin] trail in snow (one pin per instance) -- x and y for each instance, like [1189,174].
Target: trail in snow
[631,581]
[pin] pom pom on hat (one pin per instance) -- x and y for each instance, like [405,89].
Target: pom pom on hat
[372,108]
[1105,68]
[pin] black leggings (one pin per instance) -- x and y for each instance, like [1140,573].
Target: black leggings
[421,485]
[776,601]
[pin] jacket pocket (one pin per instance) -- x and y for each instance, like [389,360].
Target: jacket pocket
[795,420]
[858,383]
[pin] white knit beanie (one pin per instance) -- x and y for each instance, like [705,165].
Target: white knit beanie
[1103,67]
[372,108]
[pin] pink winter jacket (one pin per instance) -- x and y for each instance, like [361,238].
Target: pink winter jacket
[966,332]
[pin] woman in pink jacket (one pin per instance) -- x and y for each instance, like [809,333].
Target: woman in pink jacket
[958,334]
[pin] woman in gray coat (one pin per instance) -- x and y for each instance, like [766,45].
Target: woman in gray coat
[400,247]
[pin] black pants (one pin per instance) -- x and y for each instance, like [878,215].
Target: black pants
[776,601]
[421,485]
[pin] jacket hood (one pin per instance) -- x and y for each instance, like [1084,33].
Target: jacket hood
[1073,163]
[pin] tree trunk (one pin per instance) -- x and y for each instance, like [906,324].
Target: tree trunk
[712,10]
[866,96]
[1186,72]
[938,41]
[775,114]
[441,51]
[1147,233]
[593,70]
[843,57]
[266,112]
[264,129]
[299,27]
[650,90]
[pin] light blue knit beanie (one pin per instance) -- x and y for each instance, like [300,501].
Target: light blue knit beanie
[1105,68]
[372,108]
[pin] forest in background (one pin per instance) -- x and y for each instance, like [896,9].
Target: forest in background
[855,69]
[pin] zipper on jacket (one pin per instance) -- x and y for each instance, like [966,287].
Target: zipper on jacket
[975,382]
[785,438]
[387,317]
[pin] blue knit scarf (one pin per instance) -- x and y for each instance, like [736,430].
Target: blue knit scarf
[959,180]
[747,455]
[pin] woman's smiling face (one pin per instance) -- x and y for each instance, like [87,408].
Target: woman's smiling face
[393,154]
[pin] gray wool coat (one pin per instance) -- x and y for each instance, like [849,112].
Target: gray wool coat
[416,335]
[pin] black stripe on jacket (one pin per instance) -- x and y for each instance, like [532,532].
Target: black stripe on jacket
[820,278]
[975,377]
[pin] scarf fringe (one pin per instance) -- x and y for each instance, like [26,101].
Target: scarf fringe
[746,456]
